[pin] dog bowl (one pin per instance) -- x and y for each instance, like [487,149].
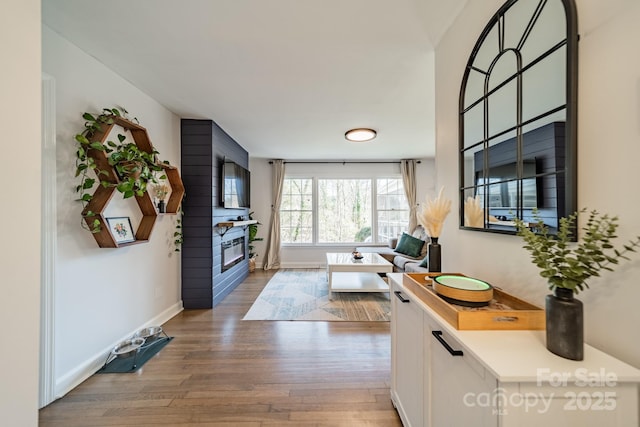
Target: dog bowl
[149,333]
[128,348]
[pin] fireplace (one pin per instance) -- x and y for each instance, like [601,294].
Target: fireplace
[232,252]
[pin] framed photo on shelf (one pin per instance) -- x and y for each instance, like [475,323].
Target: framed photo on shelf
[121,230]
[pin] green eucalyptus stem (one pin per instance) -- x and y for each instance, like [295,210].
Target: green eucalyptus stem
[566,264]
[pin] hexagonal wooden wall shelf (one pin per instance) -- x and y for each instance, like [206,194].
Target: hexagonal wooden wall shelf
[177,188]
[102,196]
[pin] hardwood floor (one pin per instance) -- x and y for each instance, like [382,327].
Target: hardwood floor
[223,371]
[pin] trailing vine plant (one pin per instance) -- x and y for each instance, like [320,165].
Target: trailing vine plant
[135,168]
[178,238]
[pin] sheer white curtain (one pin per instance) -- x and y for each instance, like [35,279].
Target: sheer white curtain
[408,169]
[272,254]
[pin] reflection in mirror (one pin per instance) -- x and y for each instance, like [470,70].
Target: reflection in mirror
[518,118]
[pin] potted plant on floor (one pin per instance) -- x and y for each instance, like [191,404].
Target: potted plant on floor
[566,266]
[253,231]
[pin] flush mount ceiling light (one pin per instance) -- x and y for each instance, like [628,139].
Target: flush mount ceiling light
[360,135]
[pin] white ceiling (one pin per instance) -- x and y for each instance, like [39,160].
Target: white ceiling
[284,78]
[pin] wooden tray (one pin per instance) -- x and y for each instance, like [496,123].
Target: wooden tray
[505,312]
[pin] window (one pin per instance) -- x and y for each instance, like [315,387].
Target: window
[296,211]
[393,209]
[342,210]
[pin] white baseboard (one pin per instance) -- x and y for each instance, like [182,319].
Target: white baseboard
[303,265]
[297,265]
[75,377]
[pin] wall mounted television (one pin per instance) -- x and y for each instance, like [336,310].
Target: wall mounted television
[501,186]
[236,185]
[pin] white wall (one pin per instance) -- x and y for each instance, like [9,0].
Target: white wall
[20,214]
[310,256]
[608,150]
[104,295]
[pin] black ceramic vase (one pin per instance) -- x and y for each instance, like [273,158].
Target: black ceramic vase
[434,255]
[161,206]
[565,324]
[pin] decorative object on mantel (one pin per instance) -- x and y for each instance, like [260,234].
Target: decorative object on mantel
[566,266]
[124,166]
[431,217]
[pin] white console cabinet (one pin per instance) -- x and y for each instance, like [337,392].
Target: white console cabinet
[408,367]
[444,377]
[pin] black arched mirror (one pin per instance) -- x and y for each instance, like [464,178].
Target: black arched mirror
[518,119]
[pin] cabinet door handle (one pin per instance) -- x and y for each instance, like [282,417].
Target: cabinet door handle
[438,335]
[401,298]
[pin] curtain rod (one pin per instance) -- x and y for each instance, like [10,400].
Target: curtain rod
[342,162]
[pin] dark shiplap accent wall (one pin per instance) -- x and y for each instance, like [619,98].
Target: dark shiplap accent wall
[204,146]
[546,145]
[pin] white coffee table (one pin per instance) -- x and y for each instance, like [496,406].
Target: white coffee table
[346,274]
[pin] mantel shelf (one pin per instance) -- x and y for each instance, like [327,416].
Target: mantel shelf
[227,225]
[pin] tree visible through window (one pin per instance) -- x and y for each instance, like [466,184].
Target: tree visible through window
[296,211]
[343,210]
[393,209]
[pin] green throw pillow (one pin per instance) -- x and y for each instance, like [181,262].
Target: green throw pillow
[409,245]
[425,262]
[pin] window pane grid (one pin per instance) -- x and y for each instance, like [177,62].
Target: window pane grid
[392,209]
[296,211]
[346,211]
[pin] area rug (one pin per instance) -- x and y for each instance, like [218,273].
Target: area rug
[302,294]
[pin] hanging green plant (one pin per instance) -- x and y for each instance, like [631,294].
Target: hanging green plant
[134,168]
[178,238]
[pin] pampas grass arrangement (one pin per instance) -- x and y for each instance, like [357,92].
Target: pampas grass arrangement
[433,214]
[473,212]
[161,191]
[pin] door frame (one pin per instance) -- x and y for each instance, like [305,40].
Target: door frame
[48,243]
